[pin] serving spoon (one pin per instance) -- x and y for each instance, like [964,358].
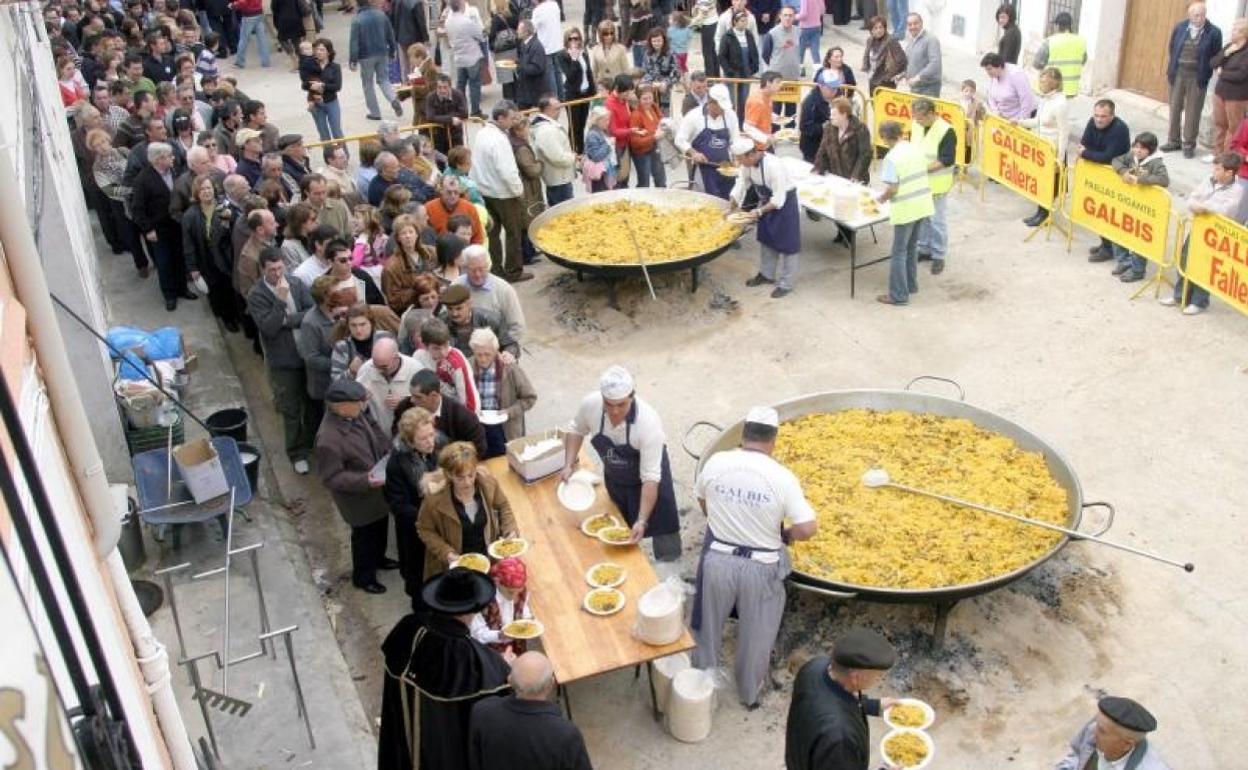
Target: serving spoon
[878,477]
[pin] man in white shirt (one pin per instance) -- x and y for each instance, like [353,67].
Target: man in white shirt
[465,35]
[705,135]
[386,376]
[491,293]
[550,33]
[627,434]
[498,178]
[746,496]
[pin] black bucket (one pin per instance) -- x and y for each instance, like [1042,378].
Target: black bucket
[229,422]
[250,454]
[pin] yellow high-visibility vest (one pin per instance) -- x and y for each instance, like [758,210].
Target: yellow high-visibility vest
[913,200]
[929,139]
[1067,52]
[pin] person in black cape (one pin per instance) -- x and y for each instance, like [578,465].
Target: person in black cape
[827,724]
[435,673]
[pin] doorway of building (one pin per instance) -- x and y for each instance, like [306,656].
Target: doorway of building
[1145,38]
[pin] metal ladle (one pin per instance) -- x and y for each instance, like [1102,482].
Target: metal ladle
[878,477]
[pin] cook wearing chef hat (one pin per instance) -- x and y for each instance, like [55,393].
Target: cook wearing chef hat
[705,135]
[627,434]
[765,190]
[746,496]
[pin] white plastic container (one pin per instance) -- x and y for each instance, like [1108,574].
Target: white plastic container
[690,705]
[845,204]
[666,669]
[660,615]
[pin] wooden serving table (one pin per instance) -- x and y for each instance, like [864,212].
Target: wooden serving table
[579,645]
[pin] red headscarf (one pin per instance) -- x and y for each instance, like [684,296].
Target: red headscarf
[509,572]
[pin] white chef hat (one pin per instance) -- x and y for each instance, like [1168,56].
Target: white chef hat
[719,92]
[616,383]
[763,415]
[742,145]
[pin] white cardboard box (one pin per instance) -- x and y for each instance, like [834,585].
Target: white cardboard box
[201,470]
[536,468]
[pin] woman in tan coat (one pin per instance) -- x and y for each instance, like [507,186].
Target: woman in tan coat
[464,509]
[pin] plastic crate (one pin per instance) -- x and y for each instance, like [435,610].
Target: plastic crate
[157,437]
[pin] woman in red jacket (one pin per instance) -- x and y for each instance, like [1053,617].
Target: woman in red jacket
[619,104]
[644,145]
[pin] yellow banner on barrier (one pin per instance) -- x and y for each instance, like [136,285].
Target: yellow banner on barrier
[790,93]
[1217,259]
[1136,217]
[888,104]
[1020,160]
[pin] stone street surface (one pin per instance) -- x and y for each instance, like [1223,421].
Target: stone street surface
[1143,402]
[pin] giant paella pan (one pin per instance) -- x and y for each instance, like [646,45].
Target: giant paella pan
[875,526]
[631,232]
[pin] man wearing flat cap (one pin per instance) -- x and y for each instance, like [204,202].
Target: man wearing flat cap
[765,190]
[827,726]
[462,319]
[294,157]
[627,434]
[433,656]
[349,446]
[747,496]
[1115,739]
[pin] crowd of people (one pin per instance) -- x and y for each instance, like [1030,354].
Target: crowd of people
[379,288]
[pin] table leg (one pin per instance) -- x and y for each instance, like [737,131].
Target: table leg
[654,698]
[852,237]
[567,701]
[693,289]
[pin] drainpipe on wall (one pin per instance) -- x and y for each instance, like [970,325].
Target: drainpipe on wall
[26,270]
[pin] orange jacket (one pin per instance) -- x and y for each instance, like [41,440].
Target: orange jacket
[649,120]
[758,114]
[439,216]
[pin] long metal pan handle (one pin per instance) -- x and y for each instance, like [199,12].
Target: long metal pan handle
[954,383]
[685,184]
[684,440]
[1108,523]
[824,591]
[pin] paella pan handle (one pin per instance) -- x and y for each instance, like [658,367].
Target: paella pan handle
[681,185]
[684,440]
[824,591]
[954,383]
[1109,522]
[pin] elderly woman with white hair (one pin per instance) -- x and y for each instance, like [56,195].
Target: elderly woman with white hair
[149,208]
[502,388]
[600,167]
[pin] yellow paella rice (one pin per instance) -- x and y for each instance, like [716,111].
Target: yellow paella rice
[894,539]
[906,749]
[906,715]
[600,233]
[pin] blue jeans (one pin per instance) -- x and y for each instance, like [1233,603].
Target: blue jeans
[376,68]
[558,193]
[328,119]
[934,234]
[248,25]
[1130,261]
[650,166]
[471,77]
[897,12]
[903,266]
[1195,295]
[639,54]
[808,38]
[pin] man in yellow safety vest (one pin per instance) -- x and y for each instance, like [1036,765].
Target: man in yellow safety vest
[1066,51]
[910,194]
[940,146]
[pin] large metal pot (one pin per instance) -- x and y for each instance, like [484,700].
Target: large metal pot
[909,401]
[664,198]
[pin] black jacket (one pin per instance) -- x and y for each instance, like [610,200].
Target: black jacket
[455,422]
[201,244]
[287,19]
[160,70]
[403,474]
[509,732]
[408,19]
[814,114]
[827,726]
[532,73]
[149,202]
[573,71]
[1103,145]
[330,77]
[731,63]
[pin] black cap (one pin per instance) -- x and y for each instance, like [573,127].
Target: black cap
[287,140]
[345,389]
[458,591]
[1127,713]
[864,649]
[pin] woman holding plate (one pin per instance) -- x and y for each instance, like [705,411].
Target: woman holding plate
[504,390]
[463,511]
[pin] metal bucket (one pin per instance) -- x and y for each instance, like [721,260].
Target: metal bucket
[250,454]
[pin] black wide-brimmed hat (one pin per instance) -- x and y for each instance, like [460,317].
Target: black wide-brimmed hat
[458,591]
